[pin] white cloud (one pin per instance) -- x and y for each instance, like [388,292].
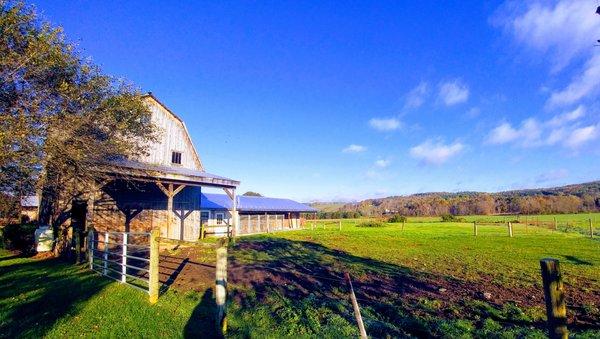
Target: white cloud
[528,134]
[381,163]
[563,32]
[390,124]
[580,136]
[502,134]
[561,119]
[454,92]
[354,149]
[556,136]
[565,29]
[563,129]
[436,153]
[583,85]
[416,97]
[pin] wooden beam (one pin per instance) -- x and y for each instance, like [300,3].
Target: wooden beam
[234,214]
[230,192]
[178,189]
[162,188]
[169,209]
[170,192]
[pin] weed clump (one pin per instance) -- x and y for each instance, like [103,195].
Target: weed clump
[397,218]
[451,218]
[371,223]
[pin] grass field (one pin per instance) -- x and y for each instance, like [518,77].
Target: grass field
[430,279]
[426,280]
[562,219]
[55,299]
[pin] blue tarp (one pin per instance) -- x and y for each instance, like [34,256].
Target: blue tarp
[212,201]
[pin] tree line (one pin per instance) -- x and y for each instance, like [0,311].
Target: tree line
[569,199]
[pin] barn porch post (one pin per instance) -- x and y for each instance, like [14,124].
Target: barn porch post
[170,193]
[234,213]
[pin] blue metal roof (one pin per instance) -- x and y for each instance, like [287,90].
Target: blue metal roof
[252,204]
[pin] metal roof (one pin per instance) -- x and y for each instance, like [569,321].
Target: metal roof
[252,204]
[172,173]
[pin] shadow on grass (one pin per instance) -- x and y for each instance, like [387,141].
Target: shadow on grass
[275,271]
[201,323]
[35,294]
[297,288]
[576,261]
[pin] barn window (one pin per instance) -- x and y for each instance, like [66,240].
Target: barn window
[176,158]
[219,217]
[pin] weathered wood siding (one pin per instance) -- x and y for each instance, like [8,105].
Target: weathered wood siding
[173,137]
[140,207]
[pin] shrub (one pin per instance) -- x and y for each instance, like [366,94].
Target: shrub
[451,218]
[371,223]
[18,237]
[397,218]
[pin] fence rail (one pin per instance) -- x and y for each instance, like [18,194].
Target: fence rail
[112,255]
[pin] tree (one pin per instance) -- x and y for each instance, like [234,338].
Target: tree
[63,121]
[252,194]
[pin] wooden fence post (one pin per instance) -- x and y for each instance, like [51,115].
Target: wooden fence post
[357,315]
[556,308]
[124,258]
[510,229]
[591,229]
[555,224]
[475,228]
[154,254]
[221,288]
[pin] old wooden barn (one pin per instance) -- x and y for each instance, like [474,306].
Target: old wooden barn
[161,190]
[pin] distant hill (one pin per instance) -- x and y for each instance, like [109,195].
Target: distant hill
[565,199]
[327,206]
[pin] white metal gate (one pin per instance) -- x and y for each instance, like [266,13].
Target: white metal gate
[122,256]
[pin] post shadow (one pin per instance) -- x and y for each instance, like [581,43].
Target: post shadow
[201,323]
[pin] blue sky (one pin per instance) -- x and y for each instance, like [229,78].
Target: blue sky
[351,100]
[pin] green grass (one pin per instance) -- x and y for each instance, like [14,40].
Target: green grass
[398,275]
[578,218]
[55,299]
[426,280]
[441,247]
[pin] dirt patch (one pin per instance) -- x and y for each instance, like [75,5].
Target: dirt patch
[187,268]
